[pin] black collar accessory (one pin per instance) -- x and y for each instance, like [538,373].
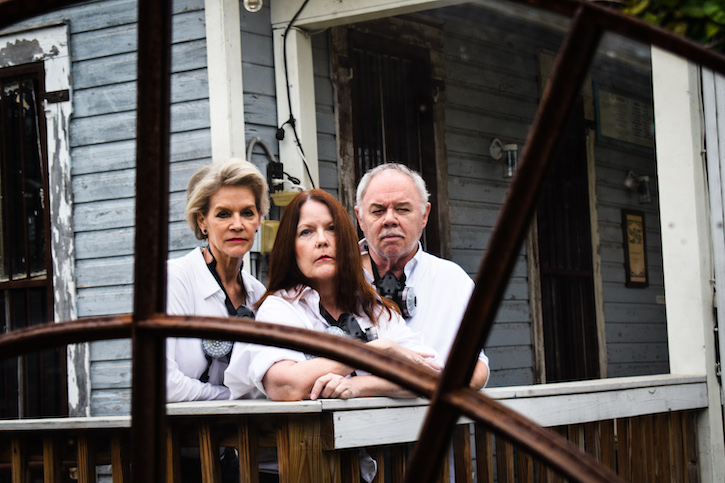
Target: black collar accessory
[348,326]
[393,288]
[222,348]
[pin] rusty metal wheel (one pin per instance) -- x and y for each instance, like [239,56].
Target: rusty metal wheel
[450,396]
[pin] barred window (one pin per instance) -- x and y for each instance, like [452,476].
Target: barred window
[32,385]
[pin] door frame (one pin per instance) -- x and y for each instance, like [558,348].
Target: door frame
[546,62]
[418,31]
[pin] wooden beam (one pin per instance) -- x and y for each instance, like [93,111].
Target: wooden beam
[19,463]
[51,458]
[173,456]
[209,452]
[248,444]
[299,450]
[119,458]
[484,454]
[462,458]
[504,461]
[86,459]
[294,74]
[224,66]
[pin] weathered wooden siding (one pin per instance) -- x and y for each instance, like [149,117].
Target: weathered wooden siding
[492,83]
[492,87]
[103,142]
[103,160]
[103,50]
[326,125]
[636,330]
[492,92]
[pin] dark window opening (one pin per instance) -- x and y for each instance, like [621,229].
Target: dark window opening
[565,254]
[392,113]
[32,385]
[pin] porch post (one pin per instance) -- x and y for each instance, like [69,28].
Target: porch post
[301,82]
[224,67]
[686,251]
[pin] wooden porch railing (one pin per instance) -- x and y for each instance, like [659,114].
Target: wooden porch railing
[644,429]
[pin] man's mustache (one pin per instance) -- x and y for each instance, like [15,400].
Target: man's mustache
[393,232]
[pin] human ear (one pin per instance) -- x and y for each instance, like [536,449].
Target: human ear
[201,223]
[426,214]
[358,215]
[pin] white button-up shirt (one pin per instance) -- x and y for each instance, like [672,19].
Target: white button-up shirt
[250,362]
[193,290]
[442,289]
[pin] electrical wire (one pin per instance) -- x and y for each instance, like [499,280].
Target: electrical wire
[292,121]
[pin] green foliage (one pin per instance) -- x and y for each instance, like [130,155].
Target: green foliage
[700,20]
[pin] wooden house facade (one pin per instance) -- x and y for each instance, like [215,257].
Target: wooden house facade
[616,280]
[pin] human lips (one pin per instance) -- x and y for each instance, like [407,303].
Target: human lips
[392,234]
[324,258]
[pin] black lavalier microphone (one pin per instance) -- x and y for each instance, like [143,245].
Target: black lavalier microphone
[393,288]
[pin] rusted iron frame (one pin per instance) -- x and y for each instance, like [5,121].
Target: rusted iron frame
[472,403]
[153,112]
[634,28]
[569,71]
[515,216]
[47,336]
[15,10]
[613,20]
[50,335]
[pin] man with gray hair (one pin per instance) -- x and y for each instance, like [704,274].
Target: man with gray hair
[392,209]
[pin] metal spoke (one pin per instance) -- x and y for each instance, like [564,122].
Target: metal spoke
[450,397]
[511,227]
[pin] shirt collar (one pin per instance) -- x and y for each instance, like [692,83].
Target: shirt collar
[208,285]
[414,262]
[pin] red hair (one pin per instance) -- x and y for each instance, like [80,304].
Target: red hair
[353,291]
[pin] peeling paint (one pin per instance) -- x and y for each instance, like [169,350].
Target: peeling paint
[20,52]
[63,249]
[50,45]
[73,389]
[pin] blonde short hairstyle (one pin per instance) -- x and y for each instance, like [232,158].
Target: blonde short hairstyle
[209,179]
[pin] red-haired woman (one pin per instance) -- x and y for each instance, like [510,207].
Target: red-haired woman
[316,282]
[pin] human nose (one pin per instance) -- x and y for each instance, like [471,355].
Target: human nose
[389,219]
[236,223]
[322,239]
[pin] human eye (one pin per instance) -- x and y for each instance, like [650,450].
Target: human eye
[331,228]
[249,213]
[304,232]
[222,214]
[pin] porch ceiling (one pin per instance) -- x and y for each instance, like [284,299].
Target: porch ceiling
[330,13]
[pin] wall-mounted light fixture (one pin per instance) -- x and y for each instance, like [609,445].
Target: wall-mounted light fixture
[640,185]
[253,5]
[509,153]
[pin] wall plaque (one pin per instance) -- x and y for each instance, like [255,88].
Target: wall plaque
[624,118]
[635,248]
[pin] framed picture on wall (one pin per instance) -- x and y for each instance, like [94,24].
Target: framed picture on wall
[635,248]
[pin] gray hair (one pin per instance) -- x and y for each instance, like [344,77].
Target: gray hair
[362,186]
[208,180]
